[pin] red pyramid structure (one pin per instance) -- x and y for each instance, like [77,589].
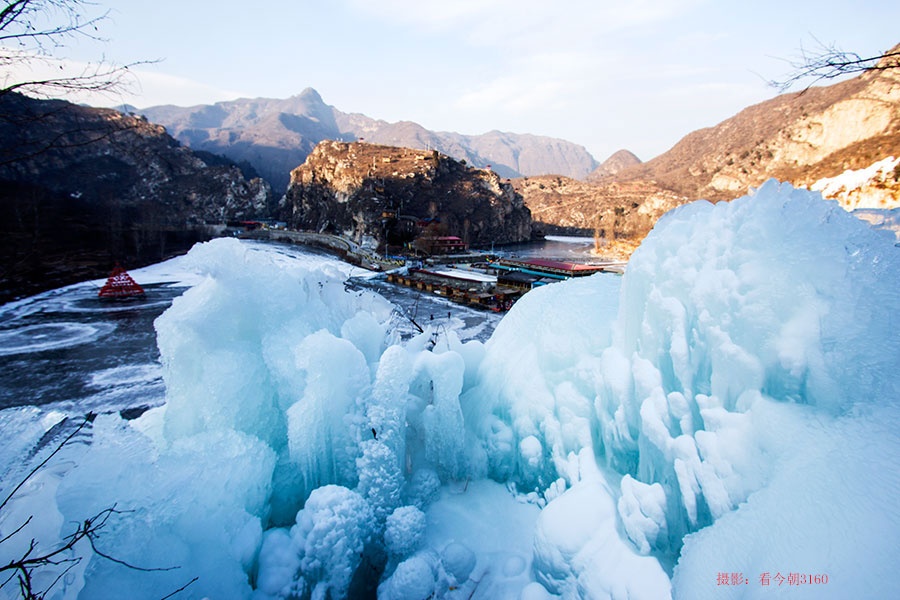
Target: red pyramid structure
[121,285]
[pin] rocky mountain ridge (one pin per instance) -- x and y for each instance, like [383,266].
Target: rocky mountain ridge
[274,136]
[375,194]
[800,137]
[82,188]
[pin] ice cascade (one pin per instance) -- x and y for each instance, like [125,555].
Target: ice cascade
[731,406]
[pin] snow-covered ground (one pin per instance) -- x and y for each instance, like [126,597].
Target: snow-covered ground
[722,422]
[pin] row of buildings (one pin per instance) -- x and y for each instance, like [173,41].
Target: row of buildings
[495,283]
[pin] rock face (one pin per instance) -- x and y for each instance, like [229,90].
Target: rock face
[82,188]
[507,154]
[274,136]
[372,194]
[619,215]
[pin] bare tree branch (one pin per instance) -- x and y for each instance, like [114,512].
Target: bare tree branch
[34,32]
[827,61]
[16,530]
[22,569]
[91,528]
[181,589]
[20,21]
[88,419]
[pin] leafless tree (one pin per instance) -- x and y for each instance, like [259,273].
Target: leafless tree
[61,557]
[35,32]
[828,61]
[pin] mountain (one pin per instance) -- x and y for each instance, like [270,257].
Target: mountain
[374,194]
[800,137]
[842,139]
[619,161]
[274,136]
[82,188]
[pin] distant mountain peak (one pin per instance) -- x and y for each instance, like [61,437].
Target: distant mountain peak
[275,136]
[310,93]
[620,160]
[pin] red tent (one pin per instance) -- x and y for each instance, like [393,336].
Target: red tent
[121,285]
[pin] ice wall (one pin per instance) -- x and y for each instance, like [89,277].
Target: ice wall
[266,365]
[745,398]
[294,432]
[729,312]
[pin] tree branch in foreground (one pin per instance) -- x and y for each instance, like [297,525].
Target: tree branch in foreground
[827,61]
[23,568]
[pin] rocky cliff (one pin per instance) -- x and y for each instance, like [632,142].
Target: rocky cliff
[274,136]
[619,215]
[375,194]
[82,188]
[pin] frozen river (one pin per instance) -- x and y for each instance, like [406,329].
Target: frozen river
[65,347]
[66,350]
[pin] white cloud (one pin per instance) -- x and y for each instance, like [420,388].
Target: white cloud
[432,14]
[160,88]
[498,22]
[140,86]
[538,55]
[515,94]
[537,82]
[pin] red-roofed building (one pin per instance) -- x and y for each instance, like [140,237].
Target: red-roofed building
[555,267]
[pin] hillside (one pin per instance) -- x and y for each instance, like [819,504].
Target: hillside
[82,188]
[374,194]
[843,140]
[274,136]
[619,215]
[800,137]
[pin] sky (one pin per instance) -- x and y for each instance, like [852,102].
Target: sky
[634,74]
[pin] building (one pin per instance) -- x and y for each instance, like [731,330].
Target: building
[448,244]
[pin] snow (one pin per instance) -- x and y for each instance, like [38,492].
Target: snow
[404,530]
[725,412]
[412,580]
[480,522]
[863,188]
[459,561]
[466,274]
[331,533]
[578,552]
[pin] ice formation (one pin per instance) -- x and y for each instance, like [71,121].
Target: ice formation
[725,413]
